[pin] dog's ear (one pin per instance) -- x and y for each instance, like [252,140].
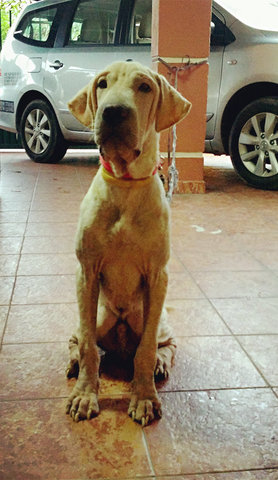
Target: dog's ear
[172,106]
[82,106]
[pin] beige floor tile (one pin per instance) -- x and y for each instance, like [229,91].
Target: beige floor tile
[194,317]
[41,323]
[8,264]
[10,245]
[215,431]
[60,216]
[44,289]
[45,201]
[51,229]
[263,349]
[41,440]
[12,229]
[3,318]
[9,204]
[61,244]
[175,265]
[34,371]
[60,203]
[58,188]
[11,216]
[12,197]
[268,258]
[204,242]
[237,284]
[182,286]
[215,260]
[251,475]
[253,242]
[6,288]
[211,363]
[47,264]
[249,316]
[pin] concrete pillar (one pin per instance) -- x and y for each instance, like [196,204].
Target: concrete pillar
[181,30]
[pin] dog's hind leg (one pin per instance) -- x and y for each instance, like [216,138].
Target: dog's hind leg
[73,366]
[164,360]
[166,348]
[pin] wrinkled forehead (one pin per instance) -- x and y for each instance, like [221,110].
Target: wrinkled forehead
[126,74]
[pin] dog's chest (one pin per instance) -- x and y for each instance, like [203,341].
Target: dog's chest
[129,233]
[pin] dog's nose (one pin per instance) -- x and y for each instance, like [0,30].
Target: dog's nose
[114,114]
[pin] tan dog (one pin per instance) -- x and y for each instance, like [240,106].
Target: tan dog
[123,237]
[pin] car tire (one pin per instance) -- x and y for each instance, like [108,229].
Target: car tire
[40,133]
[253,143]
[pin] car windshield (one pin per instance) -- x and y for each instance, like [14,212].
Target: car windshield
[261,14]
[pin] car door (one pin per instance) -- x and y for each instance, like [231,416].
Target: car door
[93,38]
[217,43]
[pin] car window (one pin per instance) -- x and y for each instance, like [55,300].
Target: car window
[220,33]
[94,22]
[36,26]
[141,24]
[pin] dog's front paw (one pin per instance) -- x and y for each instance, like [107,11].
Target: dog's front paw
[144,410]
[82,404]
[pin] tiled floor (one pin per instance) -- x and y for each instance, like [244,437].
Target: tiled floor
[220,407]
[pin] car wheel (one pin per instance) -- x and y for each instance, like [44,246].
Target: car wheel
[40,133]
[253,143]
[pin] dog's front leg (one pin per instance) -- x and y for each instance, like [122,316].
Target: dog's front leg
[83,402]
[144,403]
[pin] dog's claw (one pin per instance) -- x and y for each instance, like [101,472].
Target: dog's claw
[145,421]
[159,413]
[82,406]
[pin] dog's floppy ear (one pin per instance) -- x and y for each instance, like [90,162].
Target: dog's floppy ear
[172,106]
[82,105]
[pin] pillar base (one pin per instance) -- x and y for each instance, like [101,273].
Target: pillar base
[191,186]
[190,173]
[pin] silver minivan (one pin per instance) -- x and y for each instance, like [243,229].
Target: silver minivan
[56,46]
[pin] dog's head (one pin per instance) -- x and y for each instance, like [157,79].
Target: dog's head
[125,105]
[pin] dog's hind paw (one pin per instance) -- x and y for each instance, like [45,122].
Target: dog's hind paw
[144,411]
[81,405]
[163,367]
[72,369]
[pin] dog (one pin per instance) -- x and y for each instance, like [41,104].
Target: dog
[122,241]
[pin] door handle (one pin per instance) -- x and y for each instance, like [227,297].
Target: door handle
[56,65]
[232,62]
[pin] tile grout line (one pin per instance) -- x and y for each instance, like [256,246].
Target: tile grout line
[19,257]
[222,319]
[126,395]
[240,345]
[148,453]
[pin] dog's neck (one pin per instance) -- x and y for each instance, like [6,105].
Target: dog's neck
[127,179]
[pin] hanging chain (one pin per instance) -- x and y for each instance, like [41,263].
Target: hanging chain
[173,173]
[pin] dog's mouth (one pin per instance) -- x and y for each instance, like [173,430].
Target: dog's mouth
[118,155]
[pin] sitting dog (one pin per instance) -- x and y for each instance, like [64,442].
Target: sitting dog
[122,242]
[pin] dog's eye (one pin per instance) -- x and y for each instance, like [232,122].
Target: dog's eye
[102,84]
[144,87]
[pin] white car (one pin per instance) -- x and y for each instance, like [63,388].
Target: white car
[56,46]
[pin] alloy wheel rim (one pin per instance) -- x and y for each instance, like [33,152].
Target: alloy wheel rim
[258,144]
[37,131]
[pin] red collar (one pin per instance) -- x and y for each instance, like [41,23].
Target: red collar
[127,176]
